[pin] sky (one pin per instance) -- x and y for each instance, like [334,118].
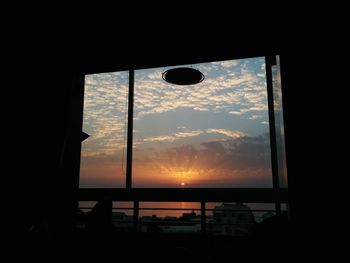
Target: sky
[211,134]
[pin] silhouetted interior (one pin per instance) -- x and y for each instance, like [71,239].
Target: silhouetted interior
[51,193]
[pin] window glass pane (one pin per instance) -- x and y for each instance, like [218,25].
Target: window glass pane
[279,125]
[212,134]
[105,118]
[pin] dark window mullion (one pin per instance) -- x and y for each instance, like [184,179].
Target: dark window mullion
[269,61]
[130,130]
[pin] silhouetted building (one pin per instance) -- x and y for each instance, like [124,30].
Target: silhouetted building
[122,222]
[188,216]
[150,224]
[232,219]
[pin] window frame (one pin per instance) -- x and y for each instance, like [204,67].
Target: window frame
[264,195]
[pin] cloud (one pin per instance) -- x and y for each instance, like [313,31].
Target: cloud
[259,107]
[227,63]
[228,133]
[240,112]
[173,136]
[185,134]
[188,134]
[200,109]
[104,113]
[238,90]
[235,162]
[254,117]
[160,139]
[222,91]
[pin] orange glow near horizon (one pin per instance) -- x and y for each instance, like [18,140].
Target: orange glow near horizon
[175,176]
[184,176]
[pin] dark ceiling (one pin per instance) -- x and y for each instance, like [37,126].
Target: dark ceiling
[111,57]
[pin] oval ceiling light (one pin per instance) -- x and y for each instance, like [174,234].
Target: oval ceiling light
[183,76]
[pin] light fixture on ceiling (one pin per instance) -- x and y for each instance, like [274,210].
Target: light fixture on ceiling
[183,76]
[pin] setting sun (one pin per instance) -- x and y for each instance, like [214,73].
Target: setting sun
[182,184]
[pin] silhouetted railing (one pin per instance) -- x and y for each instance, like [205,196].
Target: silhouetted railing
[224,223]
[205,221]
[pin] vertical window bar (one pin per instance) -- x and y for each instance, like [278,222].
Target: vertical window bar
[203,225]
[269,62]
[136,215]
[130,130]
[69,164]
